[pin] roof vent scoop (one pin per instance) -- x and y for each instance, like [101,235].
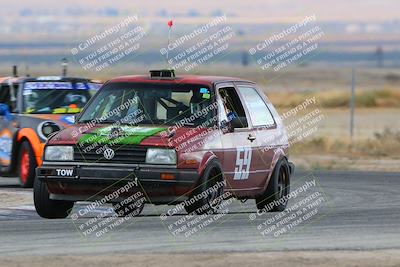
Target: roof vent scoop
[162,74]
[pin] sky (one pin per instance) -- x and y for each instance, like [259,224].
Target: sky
[254,10]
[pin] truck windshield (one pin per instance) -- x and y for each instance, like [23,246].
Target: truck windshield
[55,98]
[154,104]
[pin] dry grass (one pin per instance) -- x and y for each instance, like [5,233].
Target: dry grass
[385,144]
[339,99]
[375,146]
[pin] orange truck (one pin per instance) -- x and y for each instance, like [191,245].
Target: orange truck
[31,110]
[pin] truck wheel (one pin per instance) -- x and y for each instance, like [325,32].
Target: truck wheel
[129,209]
[46,207]
[27,165]
[207,196]
[274,197]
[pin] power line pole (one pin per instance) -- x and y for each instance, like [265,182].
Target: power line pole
[379,56]
[352,102]
[64,66]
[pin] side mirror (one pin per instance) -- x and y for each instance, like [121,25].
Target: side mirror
[4,110]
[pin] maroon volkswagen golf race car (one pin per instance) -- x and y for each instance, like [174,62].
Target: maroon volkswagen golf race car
[187,140]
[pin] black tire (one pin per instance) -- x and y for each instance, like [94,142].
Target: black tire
[277,190]
[46,207]
[204,200]
[129,209]
[26,165]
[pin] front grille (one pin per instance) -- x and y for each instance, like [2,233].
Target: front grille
[122,154]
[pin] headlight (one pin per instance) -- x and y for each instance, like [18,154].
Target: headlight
[55,153]
[161,156]
[46,128]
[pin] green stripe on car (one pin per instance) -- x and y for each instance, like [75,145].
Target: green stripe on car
[128,135]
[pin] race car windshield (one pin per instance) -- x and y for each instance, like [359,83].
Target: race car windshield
[44,98]
[152,104]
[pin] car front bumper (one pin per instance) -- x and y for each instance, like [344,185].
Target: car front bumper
[88,182]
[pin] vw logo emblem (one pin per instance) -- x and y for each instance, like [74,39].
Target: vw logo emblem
[108,153]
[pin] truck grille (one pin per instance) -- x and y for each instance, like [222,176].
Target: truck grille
[122,154]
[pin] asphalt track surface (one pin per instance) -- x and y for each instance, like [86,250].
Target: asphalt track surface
[351,211]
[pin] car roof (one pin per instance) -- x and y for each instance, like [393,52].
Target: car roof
[182,79]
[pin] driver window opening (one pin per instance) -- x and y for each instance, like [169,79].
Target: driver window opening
[7,97]
[233,106]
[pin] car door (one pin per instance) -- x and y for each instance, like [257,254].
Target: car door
[239,147]
[265,130]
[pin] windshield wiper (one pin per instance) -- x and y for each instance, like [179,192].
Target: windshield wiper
[107,122]
[100,121]
[187,123]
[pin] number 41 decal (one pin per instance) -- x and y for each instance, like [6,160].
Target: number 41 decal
[243,161]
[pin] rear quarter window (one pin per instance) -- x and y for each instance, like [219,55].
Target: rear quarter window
[258,110]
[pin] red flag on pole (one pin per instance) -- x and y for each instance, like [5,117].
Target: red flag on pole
[169,38]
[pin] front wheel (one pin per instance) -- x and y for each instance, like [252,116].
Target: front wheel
[207,196]
[27,165]
[275,197]
[46,207]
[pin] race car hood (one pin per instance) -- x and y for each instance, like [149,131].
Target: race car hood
[128,135]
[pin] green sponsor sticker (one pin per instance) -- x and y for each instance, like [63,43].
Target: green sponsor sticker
[127,135]
[206,96]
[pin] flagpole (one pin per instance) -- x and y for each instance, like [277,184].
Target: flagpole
[169,38]
[170,23]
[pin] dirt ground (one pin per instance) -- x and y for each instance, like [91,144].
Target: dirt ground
[335,162]
[13,198]
[380,258]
